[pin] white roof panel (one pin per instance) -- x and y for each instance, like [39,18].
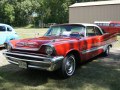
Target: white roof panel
[95,3]
[84,24]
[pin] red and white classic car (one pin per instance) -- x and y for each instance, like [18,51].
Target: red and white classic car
[61,48]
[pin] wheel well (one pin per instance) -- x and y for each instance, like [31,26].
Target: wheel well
[76,54]
[110,45]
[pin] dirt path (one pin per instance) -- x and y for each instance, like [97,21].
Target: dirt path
[3,60]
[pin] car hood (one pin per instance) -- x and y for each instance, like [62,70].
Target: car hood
[38,42]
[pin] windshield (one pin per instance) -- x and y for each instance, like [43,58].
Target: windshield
[2,28]
[66,30]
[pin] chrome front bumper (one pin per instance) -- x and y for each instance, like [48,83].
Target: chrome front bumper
[48,63]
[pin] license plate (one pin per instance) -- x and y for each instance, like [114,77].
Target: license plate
[22,64]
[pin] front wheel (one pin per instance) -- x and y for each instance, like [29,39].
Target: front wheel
[68,66]
[5,45]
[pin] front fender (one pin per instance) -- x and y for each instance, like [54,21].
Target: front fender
[62,49]
[11,37]
[71,50]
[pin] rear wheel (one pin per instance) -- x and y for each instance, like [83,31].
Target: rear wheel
[107,51]
[68,66]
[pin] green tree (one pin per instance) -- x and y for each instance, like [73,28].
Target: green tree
[22,11]
[55,11]
[18,12]
[7,12]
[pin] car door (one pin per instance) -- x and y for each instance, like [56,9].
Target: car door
[93,42]
[2,34]
[11,34]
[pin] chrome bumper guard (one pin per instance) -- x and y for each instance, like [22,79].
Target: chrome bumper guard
[48,63]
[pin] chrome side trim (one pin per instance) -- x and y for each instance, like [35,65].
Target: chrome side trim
[92,49]
[97,48]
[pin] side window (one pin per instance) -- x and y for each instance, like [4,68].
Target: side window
[97,31]
[117,25]
[75,29]
[9,29]
[2,28]
[112,25]
[90,31]
[78,29]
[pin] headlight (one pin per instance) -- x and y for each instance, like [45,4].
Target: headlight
[49,50]
[9,47]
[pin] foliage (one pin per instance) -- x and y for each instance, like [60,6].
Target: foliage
[19,12]
[7,12]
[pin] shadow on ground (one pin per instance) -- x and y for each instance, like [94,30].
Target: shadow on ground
[1,48]
[100,73]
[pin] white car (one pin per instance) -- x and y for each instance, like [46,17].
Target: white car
[7,33]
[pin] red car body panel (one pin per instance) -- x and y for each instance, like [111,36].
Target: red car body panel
[84,44]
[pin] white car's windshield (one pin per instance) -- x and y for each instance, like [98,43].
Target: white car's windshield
[66,30]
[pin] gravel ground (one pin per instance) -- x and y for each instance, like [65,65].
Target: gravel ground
[3,60]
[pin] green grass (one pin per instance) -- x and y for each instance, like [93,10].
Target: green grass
[118,37]
[102,73]
[30,33]
[117,44]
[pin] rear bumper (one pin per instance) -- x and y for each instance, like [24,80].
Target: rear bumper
[35,61]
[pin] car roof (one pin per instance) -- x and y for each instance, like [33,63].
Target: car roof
[115,22]
[2,24]
[83,24]
[86,24]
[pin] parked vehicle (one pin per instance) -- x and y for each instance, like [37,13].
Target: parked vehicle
[62,47]
[7,33]
[109,26]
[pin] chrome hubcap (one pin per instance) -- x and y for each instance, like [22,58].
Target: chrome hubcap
[70,65]
[107,51]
